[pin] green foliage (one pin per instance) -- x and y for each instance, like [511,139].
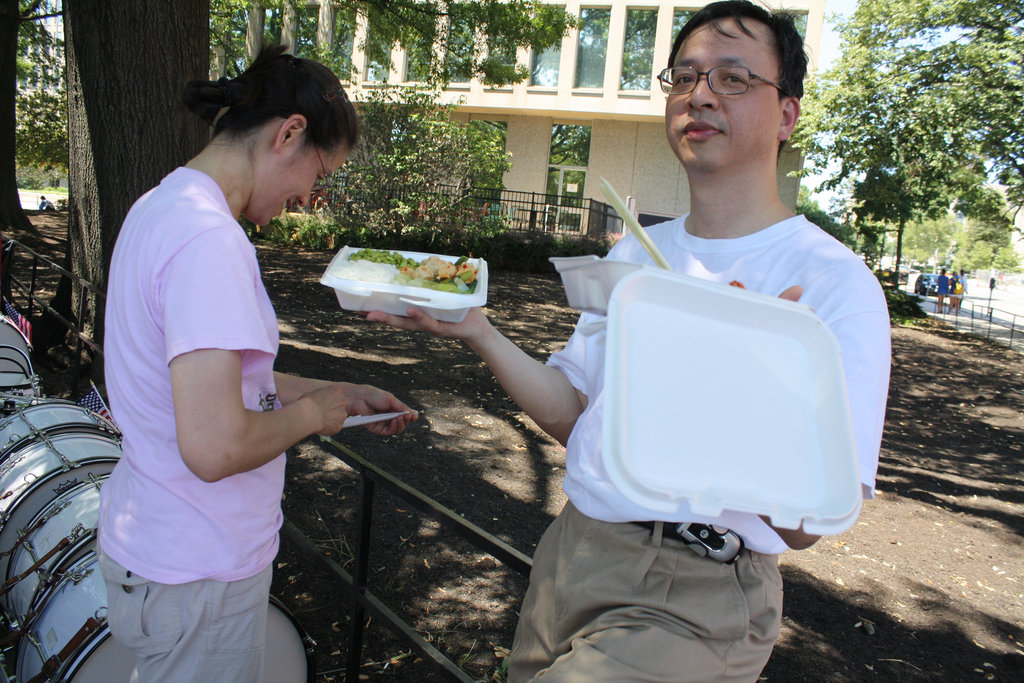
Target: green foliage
[41,135]
[810,208]
[407,140]
[893,115]
[929,238]
[456,233]
[34,178]
[903,307]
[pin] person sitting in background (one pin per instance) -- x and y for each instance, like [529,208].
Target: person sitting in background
[45,204]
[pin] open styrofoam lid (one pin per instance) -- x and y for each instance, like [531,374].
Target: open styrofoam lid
[729,400]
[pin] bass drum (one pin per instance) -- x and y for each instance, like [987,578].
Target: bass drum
[16,375]
[37,472]
[52,540]
[71,634]
[33,419]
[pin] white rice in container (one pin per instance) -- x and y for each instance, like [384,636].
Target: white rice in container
[365,271]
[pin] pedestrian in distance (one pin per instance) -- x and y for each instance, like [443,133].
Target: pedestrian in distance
[189,518]
[942,291]
[619,592]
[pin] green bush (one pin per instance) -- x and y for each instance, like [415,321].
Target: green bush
[460,233]
[903,307]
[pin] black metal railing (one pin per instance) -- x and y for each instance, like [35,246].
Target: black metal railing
[522,211]
[370,478]
[14,252]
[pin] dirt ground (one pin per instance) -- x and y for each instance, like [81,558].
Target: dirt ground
[928,585]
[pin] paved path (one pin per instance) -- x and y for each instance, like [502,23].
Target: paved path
[999,317]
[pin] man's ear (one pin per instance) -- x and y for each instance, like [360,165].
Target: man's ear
[790,113]
[290,131]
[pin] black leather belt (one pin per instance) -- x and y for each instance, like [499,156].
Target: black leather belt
[714,542]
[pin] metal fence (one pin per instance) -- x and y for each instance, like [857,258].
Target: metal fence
[44,274]
[563,215]
[983,320]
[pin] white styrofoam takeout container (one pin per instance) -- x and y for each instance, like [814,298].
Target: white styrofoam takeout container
[358,295]
[718,398]
[589,280]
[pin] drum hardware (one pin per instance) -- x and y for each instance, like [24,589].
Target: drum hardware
[63,543]
[53,664]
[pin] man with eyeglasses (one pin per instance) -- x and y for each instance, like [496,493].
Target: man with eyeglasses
[618,592]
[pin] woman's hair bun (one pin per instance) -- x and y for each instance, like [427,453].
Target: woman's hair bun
[277,84]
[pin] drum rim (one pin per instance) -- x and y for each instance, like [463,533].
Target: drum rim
[7,514]
[67,493]
[57,430]
[304,637]
[65,559]
[24,644]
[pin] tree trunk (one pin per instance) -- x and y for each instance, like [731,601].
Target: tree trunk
[11,214]
[899,252]
[127,64]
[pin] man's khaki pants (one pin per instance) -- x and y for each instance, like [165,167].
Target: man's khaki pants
[618,603]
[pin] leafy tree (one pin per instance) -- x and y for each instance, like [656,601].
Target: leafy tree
[42,130]
[892,113]
[19,27]
[929,238]
[810,208]
[410,148]
[1007,260]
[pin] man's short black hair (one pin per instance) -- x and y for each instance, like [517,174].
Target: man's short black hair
[789,46]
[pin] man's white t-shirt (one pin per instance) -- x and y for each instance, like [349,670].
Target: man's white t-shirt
[837,285]
[183,277]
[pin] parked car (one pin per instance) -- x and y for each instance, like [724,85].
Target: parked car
[927,284]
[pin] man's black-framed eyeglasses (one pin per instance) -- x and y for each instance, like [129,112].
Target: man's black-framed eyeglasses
[724,80]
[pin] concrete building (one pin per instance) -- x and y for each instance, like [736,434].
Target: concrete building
[600,85]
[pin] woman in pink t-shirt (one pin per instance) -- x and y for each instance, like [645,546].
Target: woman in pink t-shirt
[189,518]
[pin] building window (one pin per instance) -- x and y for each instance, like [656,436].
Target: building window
[800,20]
[679,19]
[544,66]
[638,49]
[592,48]
[460,48]
[306,20]
[417,63]
[567,176]
[344,42]
[544,69]
[378,57]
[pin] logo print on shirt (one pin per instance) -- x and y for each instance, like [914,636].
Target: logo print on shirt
[267,401]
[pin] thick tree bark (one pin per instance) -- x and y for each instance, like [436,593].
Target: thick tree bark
[127,64]
[10,206]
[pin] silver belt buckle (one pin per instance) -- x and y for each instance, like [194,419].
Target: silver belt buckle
[714,542]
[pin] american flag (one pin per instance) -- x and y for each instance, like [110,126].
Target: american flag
[18,319]
[94,402]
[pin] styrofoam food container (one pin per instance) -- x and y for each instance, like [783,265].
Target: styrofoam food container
[589,280]
[728,400]
[358,295]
